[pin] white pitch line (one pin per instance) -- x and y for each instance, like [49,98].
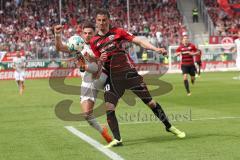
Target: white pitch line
[94,143]
[194,119]
[214,118]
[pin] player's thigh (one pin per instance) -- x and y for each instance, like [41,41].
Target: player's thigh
[88,92]
[22,76]
[138,87]
[192,71]
[87,106]
[184,70]
[112,92]
[17,76]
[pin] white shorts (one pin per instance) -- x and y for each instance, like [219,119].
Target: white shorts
[19,76]
[89,91]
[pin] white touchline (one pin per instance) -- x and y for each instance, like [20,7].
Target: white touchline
[194,119]
[94,143]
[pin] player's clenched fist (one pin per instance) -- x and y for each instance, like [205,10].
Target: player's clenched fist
[162,51]
[103,57]
[57,29]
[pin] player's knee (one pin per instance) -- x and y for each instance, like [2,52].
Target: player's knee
[110,106]
[151,104]
[185,77]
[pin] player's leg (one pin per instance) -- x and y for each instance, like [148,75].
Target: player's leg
[21,87]
[186,83]
[17,79]
[196,69]
[141,90]
[88,98]
[185,78]
[21,83]
[111,97]
[158,111]
[199,68]
[192,73]
[87,108]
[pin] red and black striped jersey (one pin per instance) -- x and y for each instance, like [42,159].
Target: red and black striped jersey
[186,59]
[112,43]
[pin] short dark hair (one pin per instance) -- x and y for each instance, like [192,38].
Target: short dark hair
[88,25]
[102,12]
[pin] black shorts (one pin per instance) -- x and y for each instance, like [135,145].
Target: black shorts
[116,85]
[189,70]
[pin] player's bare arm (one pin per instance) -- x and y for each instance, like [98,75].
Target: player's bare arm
[58,40]
[147,45]
[194,53]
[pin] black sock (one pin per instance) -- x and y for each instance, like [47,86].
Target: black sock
[199,71]
[158,111]
[192,81]
[186,86]
[113,124]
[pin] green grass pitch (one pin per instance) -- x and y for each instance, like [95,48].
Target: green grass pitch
[30,130]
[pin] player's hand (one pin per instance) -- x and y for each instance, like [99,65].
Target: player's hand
[82,64]
[103,57]
[186,52]
[58,29]
[162,51]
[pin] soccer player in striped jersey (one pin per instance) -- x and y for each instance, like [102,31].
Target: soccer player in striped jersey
[93,78]
[187,51]
[122,75]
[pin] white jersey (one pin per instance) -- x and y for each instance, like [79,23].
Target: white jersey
[90,86]
[237,42]
[19,63]
[86,76]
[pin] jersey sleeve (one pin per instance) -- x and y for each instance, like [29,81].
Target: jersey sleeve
[96,52]
[125,34]
[178,49]
[194,48]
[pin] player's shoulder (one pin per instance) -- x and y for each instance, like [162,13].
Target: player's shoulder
[117,30]
[237,40]
[192,44]
[23,58]
[94,39]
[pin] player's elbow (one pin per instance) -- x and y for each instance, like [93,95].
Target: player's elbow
[92,67]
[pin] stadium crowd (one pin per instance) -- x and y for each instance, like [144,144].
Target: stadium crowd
[28,24]
[225,24]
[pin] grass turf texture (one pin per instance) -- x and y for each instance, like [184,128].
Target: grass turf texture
[29,128]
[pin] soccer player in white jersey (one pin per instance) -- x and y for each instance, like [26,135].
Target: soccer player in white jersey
[19,64]
[237,42]
[93,78]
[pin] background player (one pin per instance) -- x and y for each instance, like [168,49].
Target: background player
[107,45]
[19,64]
[187,50]
[237,50]
[198,61]
[90,85]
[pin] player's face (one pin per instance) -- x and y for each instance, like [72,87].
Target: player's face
[18,54]
[185,40]
[102,22]
[87,34]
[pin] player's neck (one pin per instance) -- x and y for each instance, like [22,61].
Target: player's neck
[103,32]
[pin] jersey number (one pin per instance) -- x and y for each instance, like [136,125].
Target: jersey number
[107,87]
